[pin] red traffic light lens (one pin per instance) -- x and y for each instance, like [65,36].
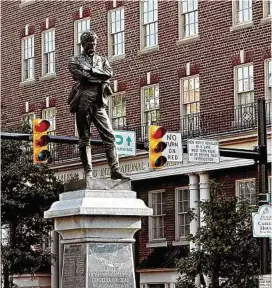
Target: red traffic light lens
[160,132]
[43,155]
[160,147]
[160,161]
[42,126]
[42,141]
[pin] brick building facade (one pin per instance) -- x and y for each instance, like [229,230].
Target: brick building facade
[192,66]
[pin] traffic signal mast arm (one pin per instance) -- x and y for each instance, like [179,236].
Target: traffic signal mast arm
[255,154]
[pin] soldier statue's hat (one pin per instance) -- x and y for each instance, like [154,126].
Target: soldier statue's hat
[88,35]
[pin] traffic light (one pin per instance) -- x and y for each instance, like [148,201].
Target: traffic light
[40,141]
[156,146]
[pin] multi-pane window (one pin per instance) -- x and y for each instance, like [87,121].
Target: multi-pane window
[50,115]
[118,111]
[28,58]
[150,22]
[80,27]
[189,18]
[242,11]
[182,209]
[267,8]
[268,77]
[246,190]
[156,229]
[28,119]
[190,103]
[117,32]
[150,104]
[49,52]
[190,95]
[245,85]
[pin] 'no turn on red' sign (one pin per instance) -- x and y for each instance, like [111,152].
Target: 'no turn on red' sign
[173,150]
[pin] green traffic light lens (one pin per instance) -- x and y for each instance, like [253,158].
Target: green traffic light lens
[160,161]
[43,155]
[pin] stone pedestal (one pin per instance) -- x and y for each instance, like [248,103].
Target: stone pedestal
[97,220]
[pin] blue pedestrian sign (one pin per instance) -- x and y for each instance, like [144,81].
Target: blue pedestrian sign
[125,142]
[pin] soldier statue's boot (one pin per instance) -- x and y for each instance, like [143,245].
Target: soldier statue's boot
[113,161]
[86,159]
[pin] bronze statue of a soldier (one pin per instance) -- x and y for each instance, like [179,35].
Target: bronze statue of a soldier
[88,99]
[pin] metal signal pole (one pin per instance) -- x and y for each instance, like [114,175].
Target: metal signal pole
[263,178]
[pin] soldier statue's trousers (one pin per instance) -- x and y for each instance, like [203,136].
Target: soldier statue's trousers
[90,112]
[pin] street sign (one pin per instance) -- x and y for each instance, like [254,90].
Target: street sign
[173,150]
[262,222]
[265,281]
[125,142]
[202,150]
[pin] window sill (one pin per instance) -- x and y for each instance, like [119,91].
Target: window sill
[265,20]
[241,26]
[117,58]
[26,3]
[48,76]
[188,40]
[148,50]
[28,82]
[180,242]
[159,243]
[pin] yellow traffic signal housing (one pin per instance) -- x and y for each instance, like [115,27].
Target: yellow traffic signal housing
[40,141]
[156,146]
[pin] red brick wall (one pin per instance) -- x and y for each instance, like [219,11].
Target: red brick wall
[212,53]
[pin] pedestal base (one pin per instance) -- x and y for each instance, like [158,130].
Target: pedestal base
[97,221]
[98,265]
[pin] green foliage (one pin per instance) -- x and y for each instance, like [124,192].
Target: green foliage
[227,248]
[27,191]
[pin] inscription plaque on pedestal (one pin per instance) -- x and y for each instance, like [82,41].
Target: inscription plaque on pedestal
[74,266]
[110,265]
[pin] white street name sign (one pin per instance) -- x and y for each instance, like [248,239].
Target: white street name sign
[265,281]
[125,142]
[201,150]
[173,150]
[262,222]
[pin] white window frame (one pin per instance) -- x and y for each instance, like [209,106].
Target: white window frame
[179,238]
[52,52]
[268,90]
[182,21]
[143,42]
[151,237]
[235,12]
[267,8]
[52,120]
[144,121]
[76,43]
[31,116]
[25,77]
[111,42]
[76,131]
[236,91]
[192,118]
[111,107]
[252,201]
